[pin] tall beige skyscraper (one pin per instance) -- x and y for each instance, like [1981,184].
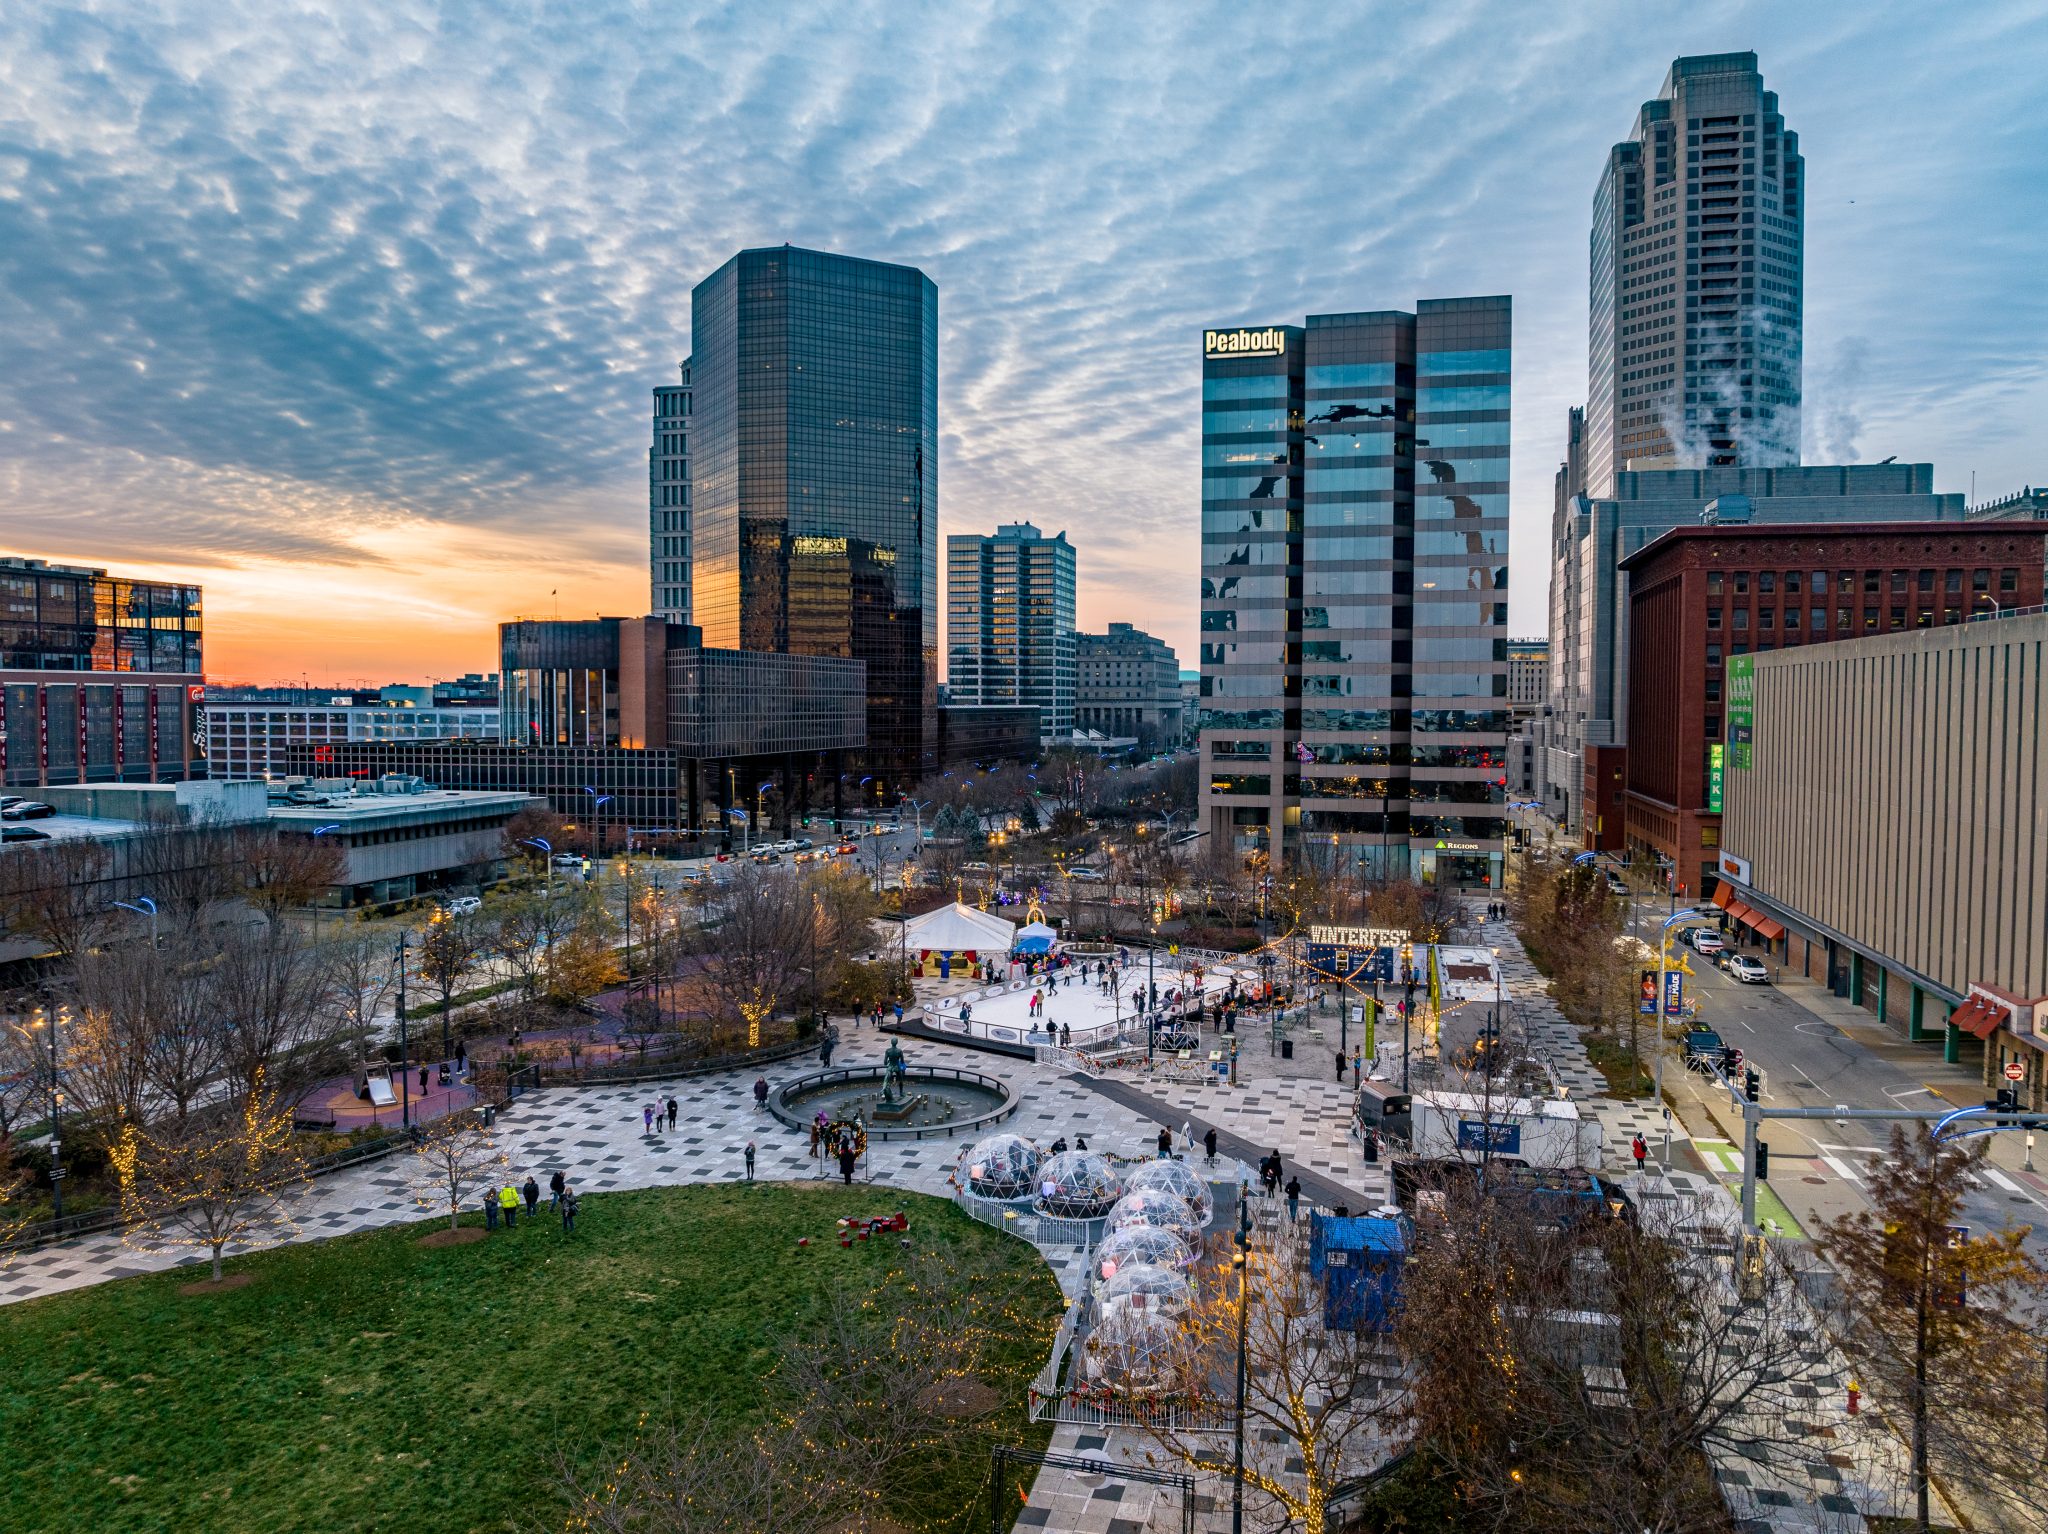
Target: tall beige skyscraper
[1697,281]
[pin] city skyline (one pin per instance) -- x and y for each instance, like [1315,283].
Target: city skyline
[371,361]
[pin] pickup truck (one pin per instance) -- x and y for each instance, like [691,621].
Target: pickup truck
[1703,1049]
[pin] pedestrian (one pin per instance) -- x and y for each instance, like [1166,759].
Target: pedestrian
[671,1113]
[1165,1143]
[825,1050]
[750,1161]
[899,1014]
[1187,1136]
[1641,1148]
[1340,1067]
[878,1016]
[646,1119]
[556,1183]
[846,1161]
[508,1205]
[570,1202]
[1293,1199]
[1059,1145]
[530,1191]
[1357,1067]
[1209,1145]
[760,1093]
[1080,1142]
[490,1209]
[461,1057]
[423,1079]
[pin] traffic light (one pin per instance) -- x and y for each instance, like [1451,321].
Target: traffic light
[1763,1161]
[1752,1084]
[1731,1059]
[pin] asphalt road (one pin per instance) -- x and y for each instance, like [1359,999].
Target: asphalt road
[1811,1059]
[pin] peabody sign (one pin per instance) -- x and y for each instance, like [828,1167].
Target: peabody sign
[1269,342]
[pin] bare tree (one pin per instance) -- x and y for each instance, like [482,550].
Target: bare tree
[58,892]
[758,955]
[271,991]
[1327,1399]
[361,979]
[1573,1370]
[149,1024]
[449,948]
[451,1159]
[1946,1325]
[690,1474]
[209,1181]
[283,872]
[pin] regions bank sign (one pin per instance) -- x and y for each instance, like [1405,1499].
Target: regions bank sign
[1270,342]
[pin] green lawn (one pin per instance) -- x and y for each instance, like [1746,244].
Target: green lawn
[366,1382]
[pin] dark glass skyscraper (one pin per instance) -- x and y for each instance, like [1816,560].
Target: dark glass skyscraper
[813,486]
[1354,589]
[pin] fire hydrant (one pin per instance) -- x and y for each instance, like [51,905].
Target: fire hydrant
[1855,1397]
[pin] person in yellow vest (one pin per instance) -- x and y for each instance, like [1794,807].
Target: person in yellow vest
[508,1204]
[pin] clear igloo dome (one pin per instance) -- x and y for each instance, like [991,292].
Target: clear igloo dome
[1163,1211]
[1077,1185]
[1142,1286]
[1179,1179]
[1140,1244]
[1138,1349]
[1002,1167]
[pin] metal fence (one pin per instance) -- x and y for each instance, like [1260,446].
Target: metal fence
[393,1115]
[1059,1394]
[669,1070]
[1010,1101]
[1040,1230]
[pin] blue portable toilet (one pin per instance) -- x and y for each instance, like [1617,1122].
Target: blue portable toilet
[1358,1261]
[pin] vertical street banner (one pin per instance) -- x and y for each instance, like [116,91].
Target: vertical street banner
[1647,1004]
[1716,765]
[1741,710]
[1674,992]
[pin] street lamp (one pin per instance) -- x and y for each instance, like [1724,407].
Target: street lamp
[548,848]
[1407,1005]
[1657,1017]
[143,906]
[597,802]
[404,1050]
[1244,1276]
[29,1032]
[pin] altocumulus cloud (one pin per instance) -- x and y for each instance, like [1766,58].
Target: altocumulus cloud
[276,277]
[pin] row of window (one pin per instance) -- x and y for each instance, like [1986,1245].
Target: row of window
[1845,581]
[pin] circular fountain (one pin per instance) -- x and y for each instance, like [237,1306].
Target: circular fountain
[896,1101]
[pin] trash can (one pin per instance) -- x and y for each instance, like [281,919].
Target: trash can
[1287,1049]
[490,1115]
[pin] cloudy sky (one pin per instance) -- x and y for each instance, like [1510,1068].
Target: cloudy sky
[350,312]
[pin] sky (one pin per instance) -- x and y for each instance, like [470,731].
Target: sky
[350,312]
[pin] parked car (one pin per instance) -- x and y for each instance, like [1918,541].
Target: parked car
[24,834]
[1748,970]
[27,809]
[846,849]
[463,905]
[1086,875]
[1705,940]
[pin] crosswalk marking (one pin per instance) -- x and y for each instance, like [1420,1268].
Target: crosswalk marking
[1842,1169]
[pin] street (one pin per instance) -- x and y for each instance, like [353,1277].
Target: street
[1818,1051]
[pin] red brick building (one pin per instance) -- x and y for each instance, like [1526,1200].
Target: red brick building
[1701,597]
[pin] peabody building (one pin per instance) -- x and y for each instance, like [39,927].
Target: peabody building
[1354,691]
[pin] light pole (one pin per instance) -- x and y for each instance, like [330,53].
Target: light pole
[548,848]
[143,906]
[318,832]
[1244,1277]
[35,1025]
[1657,1017]
[597,803]
[404,1062]
[1407,1005]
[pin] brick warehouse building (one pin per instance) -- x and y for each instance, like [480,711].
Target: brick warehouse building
[1704,600]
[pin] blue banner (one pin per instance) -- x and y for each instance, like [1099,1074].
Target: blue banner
[1354,966]
[1674,992]
[1478,1135]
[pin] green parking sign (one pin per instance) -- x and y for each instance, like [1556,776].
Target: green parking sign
[1716,762]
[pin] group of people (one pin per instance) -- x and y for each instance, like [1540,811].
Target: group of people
[506,1202]
[1270,1172]
[651,1115]
[1496,910]
[844,1140]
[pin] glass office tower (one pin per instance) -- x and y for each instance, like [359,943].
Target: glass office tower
[1010,622]
[1354,590]
[813,477]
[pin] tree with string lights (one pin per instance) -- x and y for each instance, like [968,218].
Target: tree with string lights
[210,1181]
[452,1159]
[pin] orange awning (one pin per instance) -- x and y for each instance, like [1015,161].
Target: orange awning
[1724,894]
[1770,931]
[1978,1017]
[1742,914]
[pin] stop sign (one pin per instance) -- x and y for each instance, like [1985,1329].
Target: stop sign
[2015,1071]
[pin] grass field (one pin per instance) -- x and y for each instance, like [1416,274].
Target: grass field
[367,1382]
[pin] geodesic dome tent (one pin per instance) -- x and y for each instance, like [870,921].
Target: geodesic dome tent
[1144,1245]
[1077,1185]
[1137,1349]
[1179,1179]
[1164,1211]
[1141,1286]
[1001,1167]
